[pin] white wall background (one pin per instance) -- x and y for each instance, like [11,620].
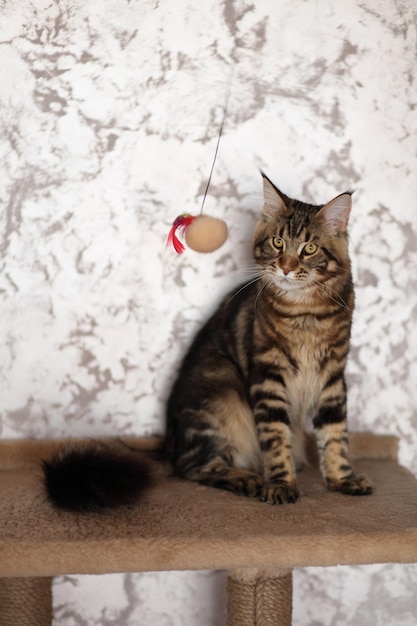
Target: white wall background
[109,114]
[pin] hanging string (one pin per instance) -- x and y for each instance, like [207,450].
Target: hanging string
[225,105]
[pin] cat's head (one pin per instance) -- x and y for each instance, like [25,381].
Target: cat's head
[299,245]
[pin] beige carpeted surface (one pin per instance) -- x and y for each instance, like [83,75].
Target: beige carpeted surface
[181,525]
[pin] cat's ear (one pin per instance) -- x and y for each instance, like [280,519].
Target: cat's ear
[335,214]
[274,202]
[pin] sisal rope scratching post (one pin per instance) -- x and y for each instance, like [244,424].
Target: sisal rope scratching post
[25,602]
[259,597]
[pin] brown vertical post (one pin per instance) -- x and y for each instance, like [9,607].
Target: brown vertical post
[25,601]
[259,597]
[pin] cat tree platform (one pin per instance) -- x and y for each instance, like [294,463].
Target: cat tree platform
[186,526]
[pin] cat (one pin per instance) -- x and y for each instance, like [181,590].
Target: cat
[272,359]
[269,361]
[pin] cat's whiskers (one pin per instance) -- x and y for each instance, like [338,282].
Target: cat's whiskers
[267,280]
[344,303]
[244,287]
[248,268]
[326,289]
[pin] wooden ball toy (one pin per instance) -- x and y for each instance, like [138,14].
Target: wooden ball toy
[202,233]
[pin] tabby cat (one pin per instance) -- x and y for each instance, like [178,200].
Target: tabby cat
[271,359]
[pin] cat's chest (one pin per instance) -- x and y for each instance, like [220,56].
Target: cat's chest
[308,341]
[310,348]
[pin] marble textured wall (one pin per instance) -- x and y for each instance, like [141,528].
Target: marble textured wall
[109,114]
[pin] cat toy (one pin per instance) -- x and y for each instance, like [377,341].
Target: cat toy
[202,233]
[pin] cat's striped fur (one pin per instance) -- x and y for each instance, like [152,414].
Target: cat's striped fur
[271,360]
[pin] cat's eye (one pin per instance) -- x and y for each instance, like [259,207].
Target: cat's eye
[278,243]
[310,248]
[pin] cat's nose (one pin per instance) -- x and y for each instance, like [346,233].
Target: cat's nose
[288,264]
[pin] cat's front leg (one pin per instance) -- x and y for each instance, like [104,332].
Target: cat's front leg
[280,484]
[333,444]
[274,434]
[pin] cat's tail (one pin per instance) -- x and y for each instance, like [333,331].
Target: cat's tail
[94,476]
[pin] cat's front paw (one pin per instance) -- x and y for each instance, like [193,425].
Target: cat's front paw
[355,485]
[279,493]
[246,485]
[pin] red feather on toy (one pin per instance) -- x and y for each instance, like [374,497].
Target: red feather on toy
[181,223]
